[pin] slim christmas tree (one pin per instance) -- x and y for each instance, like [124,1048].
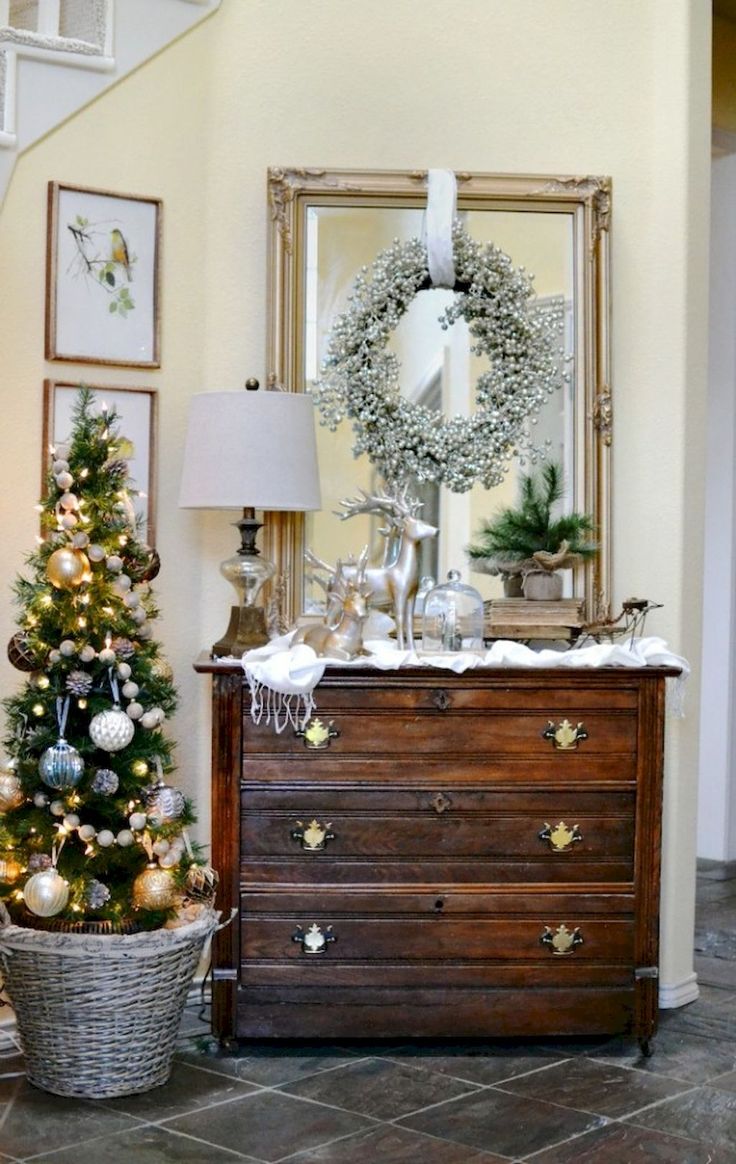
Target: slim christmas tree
[90,829]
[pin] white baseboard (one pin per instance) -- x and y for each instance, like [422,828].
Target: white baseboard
[674,994]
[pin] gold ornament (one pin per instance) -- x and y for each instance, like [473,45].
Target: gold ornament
[46,893]
[154,888]
[162,669]
[11,793]
[10,868]
[67,568]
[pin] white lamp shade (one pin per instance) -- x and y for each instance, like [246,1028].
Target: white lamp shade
[250,448]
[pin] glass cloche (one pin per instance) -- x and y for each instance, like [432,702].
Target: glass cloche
[453,617]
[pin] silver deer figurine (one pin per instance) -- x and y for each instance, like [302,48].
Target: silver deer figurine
[394,582]
[341,635]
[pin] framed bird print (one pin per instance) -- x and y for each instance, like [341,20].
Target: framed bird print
[137,412]
[102,277]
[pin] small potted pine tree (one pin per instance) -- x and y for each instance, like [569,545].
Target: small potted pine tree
[106,904]
[528,545]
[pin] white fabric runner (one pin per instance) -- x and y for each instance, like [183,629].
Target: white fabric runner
[440,215]
[282,678]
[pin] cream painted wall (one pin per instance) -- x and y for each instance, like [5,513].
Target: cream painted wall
[571,88]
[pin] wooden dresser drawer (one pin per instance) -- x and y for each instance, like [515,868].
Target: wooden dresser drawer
[462,733]
[403,835]
[416,691]
[298,766]
[552,931]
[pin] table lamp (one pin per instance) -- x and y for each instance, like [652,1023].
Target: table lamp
[249,450]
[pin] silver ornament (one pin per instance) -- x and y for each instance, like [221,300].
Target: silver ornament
[111,730]
[97,895]
[163,802]
[46,893]
[105,782]
[61,766]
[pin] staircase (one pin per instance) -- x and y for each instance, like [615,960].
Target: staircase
[58,55]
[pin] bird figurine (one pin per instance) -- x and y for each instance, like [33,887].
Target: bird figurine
[120,252]
[561,559]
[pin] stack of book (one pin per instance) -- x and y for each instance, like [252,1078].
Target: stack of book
[518,618]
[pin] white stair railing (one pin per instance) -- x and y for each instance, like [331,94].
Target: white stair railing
[36,35]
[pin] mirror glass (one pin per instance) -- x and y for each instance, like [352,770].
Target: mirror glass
[325,228]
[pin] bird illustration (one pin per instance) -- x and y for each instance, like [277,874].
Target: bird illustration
[120,252]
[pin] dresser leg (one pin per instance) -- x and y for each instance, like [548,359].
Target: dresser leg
[646,1046]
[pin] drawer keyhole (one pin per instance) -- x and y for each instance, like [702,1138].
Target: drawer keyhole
[441,699]
[439,904]
[440,803]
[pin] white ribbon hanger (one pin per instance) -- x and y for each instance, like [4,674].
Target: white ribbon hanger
[438,221]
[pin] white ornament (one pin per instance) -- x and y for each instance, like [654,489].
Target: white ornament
[145,631]
[87,832]
[111,730]
[107,656]
[105,838]
[60,465]
[131,600]
[46,893]
[138,615]
[122,583]
[137,820]
[149,720]
[54,657]
[124,670]
[134,710]
[40,799]
[114,563]
[87,653]
[68,501]
[80,540]
[68,521]
[159,713]
[64,479]
[57,807]
[130,690]
[67,648]
[125,838]
[161,847]
[96,553]
[71,820]
[169,860]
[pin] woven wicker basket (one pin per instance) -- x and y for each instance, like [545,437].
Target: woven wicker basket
[98,1014]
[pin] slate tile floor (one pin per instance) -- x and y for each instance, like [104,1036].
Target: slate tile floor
[553,1102]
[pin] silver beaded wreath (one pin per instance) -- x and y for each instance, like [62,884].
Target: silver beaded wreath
[360,377]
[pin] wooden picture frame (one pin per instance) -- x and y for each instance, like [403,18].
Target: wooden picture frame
[102,277]
[137,409]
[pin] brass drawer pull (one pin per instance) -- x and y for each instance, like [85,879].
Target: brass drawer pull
[440,803]
[315,940]
[562,837]
[565,737]
[313,836]
[317,735]
[441,699]
[561,941]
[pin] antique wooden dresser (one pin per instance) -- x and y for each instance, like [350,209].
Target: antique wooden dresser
[458,855]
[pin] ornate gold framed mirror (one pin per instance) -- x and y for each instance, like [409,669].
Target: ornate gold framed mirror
[325,225]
